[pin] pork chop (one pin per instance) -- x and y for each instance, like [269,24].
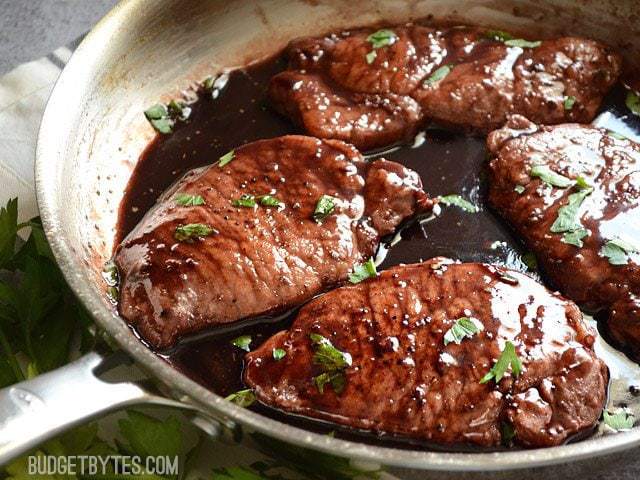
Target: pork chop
[419,352]
[572,193]
[271,225]
[376,87]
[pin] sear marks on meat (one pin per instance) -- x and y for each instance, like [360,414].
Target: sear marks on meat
[591,274]
[459,76]
[261,259]
[403,380]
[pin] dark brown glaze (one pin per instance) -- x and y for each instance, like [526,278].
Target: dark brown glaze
[403,380]
[332,90]
[259,260]
[612,166]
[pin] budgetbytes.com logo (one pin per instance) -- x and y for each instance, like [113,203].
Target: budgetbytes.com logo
[102,465]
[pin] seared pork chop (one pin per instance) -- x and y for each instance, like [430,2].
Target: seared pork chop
[572,193]
[445,352]
[271,225]
[373,88]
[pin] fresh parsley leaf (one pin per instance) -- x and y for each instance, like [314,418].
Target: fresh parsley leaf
[620,420]
[508,358]
[110,274]
[278,354]
[158,116]
[582,184]
[618,251]
[616,135]
[328,356]
[188,200]
[363,271]
[147,436]
[462,328]
[242,398]
[371,57]
[332,361]
[245,201]
[438,75]
[458,201]
[325,207]
[8,231]
[498,35]
[382,38]
[568,219]
[519,189]
[240,473]
[335,379]
[575,237]
[187,233]
[156,112]
[179,110]
[569,102]
[243,342]
[208,82]
[550,177]
[226,158]
[269,201]
[633,102]
[313,464]
[519,42]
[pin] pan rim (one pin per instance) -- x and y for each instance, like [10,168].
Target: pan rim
[49,156]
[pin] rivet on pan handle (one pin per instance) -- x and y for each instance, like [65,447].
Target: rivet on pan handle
[36,410]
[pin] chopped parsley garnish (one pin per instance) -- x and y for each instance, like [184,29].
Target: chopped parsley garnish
[519,189]
[179,110]
[371,56]
[462,328]
[616,135]
[158,116]
[582,183]
[226,158]
[188,200]
[519,42]
[438,74]
[324,208]
[618,421]
[332,361]
[382,38]
[498,35]
[550,177]
[569,102]
[379,39]
[187,233]
[243,342]
[568,220]
[163,118]
[242,398]
[269,201]
[458,201]
[509,357]
[245,201]
[110,274]
[633,102]
[278,354]
[618,251]
[575,237]
[363,271]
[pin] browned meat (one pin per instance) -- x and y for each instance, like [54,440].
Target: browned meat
[402,375]
[342,86]
[243,261]
[594,256]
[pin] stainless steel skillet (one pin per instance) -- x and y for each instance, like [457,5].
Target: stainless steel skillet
[93,133]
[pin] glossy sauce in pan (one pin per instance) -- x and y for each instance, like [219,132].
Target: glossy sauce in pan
[448,163]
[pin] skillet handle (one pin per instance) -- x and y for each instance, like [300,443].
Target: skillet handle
[36,410]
